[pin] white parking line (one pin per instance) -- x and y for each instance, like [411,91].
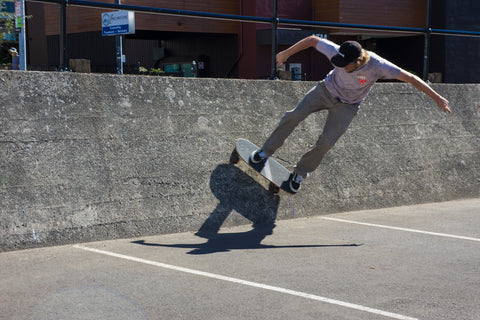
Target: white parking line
[249,283]
[402,229]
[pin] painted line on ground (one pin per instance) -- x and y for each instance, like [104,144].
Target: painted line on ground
[248,283]
[402,229]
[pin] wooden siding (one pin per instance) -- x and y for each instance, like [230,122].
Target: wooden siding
[326,10]
[397,13]
[85,20]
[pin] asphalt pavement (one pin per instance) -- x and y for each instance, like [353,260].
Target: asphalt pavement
[412,262]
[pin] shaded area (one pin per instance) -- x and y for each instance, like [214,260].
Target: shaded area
[249,240]
[239,192]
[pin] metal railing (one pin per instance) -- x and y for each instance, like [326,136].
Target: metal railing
[274,21]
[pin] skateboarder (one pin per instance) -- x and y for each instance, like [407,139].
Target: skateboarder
[341,92]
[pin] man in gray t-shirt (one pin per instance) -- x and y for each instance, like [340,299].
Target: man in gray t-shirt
[355,72]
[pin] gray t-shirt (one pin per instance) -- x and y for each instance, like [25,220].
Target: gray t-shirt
[354,87]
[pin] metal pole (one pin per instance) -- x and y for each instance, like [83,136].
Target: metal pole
[63,38]
[273,74]
[426,50]
[22,40]
[119,49]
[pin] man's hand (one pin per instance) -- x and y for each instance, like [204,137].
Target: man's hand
[443,104]
[303,44]
[418,83]
[282,57]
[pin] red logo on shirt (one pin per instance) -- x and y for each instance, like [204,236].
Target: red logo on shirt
[362,79]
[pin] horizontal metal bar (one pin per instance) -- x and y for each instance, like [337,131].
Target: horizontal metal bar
[239,18]
[446,32]
[349,26]
[461,33]
[172,12]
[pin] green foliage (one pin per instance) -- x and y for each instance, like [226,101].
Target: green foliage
[152,71]
[7,22]
[157,72]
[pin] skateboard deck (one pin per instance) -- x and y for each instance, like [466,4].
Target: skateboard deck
[270,169]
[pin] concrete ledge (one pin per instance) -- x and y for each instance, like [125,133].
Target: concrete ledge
[87,157]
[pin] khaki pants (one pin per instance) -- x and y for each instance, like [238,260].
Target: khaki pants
[340,115]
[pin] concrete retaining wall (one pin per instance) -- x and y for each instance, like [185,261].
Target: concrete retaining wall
[87,157]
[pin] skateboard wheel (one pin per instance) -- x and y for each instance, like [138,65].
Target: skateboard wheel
[274,188]
[234,157]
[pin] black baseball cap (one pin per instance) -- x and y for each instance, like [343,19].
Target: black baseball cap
[349,51]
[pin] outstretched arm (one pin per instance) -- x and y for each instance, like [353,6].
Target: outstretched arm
[425,88]
[303,44]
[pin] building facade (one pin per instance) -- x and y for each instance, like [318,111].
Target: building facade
[228,49]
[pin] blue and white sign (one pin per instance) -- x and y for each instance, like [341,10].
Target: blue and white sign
[118,22]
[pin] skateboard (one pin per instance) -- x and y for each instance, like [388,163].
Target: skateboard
[270,169]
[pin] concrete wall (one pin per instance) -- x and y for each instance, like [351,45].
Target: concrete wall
[87,157]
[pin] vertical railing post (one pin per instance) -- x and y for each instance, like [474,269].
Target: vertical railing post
[63,37]
[273,74]
[426,49]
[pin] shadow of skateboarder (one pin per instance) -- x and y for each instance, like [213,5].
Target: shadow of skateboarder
[237,191]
